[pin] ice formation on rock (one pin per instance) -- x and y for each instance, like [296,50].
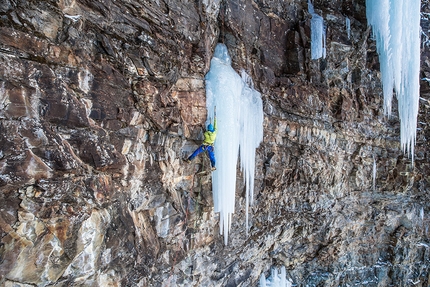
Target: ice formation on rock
[374,175]
[275,279]
[318,44]
[240,126]
[251,124]
[396,29]
[348,27]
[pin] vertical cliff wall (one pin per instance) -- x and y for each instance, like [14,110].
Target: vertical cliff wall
[101,100]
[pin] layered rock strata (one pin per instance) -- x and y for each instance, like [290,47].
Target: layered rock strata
[101,100]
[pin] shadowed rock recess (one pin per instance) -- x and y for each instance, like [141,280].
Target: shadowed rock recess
[101,100]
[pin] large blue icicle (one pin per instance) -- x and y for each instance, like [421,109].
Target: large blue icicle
[396,28]
[240,126]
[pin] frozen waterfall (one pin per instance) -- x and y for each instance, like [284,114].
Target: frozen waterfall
[240,127]
[396,28]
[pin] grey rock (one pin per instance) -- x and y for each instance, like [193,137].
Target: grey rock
[100,101]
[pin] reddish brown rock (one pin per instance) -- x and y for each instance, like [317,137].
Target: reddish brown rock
[101,100]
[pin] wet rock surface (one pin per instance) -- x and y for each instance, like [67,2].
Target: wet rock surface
[101,100]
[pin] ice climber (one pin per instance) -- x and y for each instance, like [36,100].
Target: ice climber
[207,145]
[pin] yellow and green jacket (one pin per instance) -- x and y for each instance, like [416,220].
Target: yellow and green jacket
[210,136]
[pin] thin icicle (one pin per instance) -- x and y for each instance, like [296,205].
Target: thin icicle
[374,174]
[348,27]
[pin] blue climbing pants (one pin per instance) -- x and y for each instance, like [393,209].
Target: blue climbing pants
[202,148]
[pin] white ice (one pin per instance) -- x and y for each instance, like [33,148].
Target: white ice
[275,279]
[251,125]
[240,127]
[396,29]
[318,37]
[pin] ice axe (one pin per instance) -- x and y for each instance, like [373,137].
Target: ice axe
[210,119]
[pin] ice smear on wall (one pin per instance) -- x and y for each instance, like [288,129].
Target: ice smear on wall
[348,27]
[240,126]
[318,44]
[275,279]
[396,29]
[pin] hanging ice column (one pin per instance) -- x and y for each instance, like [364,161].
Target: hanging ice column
[240,126]
[318,49]
[396,28]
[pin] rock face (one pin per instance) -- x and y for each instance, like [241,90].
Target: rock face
[101,100]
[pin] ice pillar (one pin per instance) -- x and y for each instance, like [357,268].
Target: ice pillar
[240,127]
